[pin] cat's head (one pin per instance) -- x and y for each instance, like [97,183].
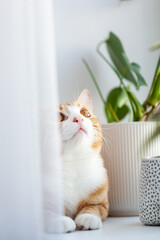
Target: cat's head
[79,127]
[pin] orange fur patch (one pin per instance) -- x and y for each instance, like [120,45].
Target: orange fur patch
[98,134]
[96,203]
[64,107]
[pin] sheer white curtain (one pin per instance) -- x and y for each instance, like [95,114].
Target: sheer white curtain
[27,81]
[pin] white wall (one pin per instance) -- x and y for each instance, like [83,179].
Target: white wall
[81,24]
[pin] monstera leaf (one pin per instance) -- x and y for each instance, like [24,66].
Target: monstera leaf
[140,79]
[115,107]
[129,71]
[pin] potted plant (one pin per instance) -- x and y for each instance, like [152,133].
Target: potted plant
[124,144]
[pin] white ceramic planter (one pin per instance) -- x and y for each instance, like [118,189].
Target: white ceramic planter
[122,151]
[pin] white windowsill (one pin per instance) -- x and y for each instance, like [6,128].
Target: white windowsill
[114,228]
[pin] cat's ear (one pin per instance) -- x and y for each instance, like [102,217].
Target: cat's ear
[85,98]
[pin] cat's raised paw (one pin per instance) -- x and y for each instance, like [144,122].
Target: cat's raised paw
[88,222]
[61,224]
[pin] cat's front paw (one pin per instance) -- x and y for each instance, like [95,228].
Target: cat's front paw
[61,224]
[88,222]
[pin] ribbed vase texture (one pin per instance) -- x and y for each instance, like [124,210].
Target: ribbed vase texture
[124,145]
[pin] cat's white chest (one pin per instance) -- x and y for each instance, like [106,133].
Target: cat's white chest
[82,174]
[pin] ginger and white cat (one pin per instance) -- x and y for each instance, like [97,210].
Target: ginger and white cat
[85,181]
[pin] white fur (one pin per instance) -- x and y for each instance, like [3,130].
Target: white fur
[88,222]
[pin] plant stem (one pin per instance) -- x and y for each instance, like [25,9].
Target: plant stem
[113,113]
[139,112]
[106,60]
[94,80]
[149,113]
[118,75]
[153,110]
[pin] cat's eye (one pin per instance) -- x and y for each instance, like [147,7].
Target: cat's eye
[62,117]
[85,113]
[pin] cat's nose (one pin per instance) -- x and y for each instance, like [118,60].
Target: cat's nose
[78,120]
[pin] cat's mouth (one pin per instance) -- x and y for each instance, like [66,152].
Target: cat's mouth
[82,130]
[79,130]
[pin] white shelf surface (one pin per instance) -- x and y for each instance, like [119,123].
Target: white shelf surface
[114,228]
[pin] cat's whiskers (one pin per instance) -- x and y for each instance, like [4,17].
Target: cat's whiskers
[107,127]
[99,136]
[67,130]
[106,139]
[109,138]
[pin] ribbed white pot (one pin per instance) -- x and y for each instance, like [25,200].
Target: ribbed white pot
[124,146]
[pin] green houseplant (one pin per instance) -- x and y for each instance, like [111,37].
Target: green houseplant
[127,143]
[121,101]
